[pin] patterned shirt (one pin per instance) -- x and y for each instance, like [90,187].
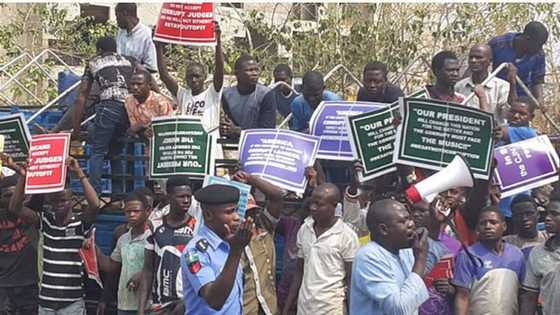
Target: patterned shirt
[154,106]
[62,282]
[112,72]
[167,243]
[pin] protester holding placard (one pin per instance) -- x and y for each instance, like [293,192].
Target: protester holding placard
[194,99]
[313,94]
[134,39]
[243,104]
[143,104]
[62,287]
[376,86]
[496,89]
[445,67]
[18,252]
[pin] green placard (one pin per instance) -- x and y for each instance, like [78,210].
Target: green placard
[180,146]
[433,132]
[16,136]
[372,139]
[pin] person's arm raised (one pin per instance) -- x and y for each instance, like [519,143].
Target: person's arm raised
[218,59]
[272,193]
[215,293]
[89,192]
[16,204]
[167,79]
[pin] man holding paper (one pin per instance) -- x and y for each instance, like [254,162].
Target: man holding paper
[194,99]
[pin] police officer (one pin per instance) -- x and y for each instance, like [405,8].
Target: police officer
[212,277]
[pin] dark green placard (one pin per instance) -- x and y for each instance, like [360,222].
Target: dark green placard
[17,137]
[180,146]
[433,132]
[372,139]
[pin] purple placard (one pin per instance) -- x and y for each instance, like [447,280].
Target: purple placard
[525,165]
[279,156]
[329,123]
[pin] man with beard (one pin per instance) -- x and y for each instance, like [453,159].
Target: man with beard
[445,67]
[387,272]
[376,87]
[487,278]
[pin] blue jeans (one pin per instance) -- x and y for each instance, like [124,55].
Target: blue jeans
[111,122]
[76,308]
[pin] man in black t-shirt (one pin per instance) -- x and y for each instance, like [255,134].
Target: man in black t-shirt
[18,252]
[376,88]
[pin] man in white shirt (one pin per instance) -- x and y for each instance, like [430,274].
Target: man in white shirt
[497,90]
[325,249]
[134,39]
[193,99]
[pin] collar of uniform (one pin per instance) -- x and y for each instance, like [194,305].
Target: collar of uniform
[490,84]
[213,239]
[134,29]
[335,229]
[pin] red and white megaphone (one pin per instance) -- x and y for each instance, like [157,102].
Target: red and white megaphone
[455,174]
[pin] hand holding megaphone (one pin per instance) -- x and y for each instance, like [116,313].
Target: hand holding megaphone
[456,174]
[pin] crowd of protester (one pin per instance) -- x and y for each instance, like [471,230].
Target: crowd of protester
[349,247]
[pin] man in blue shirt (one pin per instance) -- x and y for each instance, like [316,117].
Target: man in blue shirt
[313,94]
[524,51]
[387,273]
[212,278]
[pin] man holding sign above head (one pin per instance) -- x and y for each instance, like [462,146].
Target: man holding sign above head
[62,287]
[243,104]
[313,94]
[193,99]
[376,87]
[212,275]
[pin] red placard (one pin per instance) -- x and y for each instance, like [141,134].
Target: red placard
[186,24]
[46,171]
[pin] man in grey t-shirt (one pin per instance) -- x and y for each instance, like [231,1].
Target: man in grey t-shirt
[243,103]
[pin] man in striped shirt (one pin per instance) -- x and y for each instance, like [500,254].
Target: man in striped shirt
[62,288]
